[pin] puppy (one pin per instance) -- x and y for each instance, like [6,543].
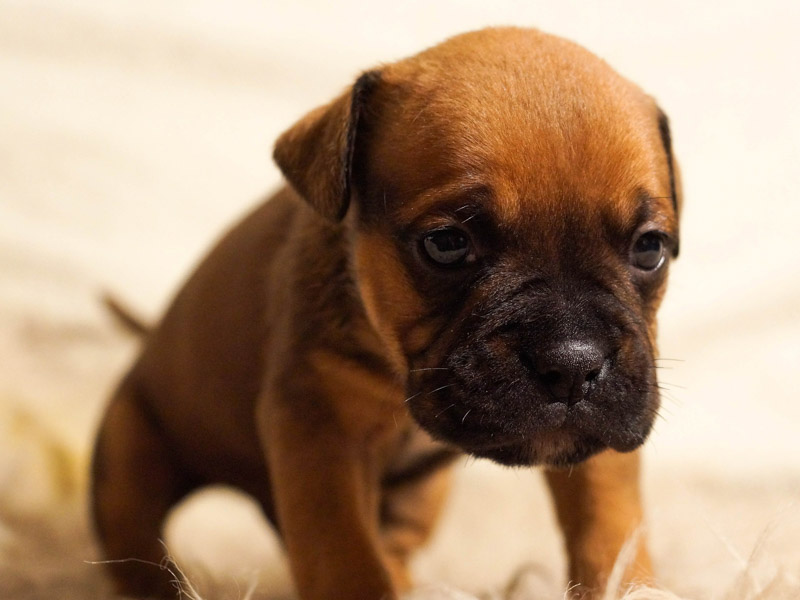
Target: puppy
[468,258]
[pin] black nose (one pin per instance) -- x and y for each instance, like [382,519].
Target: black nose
[567,368]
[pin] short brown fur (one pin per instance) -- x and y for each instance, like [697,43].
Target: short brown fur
[298,362]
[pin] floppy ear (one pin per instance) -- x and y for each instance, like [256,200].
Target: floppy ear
[316,153]
[675,184]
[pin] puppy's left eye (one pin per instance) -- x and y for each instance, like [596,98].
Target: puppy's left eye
[648,252]
[448,247]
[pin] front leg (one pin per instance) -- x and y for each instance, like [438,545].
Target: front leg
[598,505]
[321,455]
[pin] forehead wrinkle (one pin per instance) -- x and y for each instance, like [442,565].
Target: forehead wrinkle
[540,122]
[658,211]
[592,161]
[449,196]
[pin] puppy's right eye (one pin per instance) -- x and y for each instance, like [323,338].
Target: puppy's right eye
[648,253]
[448,247]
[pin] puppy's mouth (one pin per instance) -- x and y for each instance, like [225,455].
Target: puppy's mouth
[514,421]
[554,448]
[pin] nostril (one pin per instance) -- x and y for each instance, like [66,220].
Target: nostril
[592,375]
[551,378]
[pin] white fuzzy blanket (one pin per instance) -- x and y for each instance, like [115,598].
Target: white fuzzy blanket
[131,133]
[497,541]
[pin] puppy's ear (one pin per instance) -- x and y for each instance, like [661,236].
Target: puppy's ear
[674,173]
[675,184]
[316,153]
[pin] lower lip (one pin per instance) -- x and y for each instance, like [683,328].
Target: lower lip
[564,448]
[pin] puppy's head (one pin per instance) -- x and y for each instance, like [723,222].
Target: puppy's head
[514,212]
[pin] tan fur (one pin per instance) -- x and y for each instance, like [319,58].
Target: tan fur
[599,508]
[280,367]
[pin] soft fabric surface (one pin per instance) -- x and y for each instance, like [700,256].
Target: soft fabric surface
[132,133]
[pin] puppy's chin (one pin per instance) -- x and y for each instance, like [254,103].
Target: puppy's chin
[537,433]
[550,448]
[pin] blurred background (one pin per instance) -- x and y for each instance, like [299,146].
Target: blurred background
[133,133]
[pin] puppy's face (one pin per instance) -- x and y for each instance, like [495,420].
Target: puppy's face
[515,218]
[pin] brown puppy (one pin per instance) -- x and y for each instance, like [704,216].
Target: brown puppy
[469,259]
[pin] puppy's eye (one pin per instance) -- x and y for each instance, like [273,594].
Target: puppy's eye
[449,247]
[648,252]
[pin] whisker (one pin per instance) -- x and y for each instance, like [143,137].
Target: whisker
[464,418]
[412,397]
[664,385]
[667,395]
[671,359]
[664,410]
[428,369]
[439,389]
[444,410]
[123,561]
